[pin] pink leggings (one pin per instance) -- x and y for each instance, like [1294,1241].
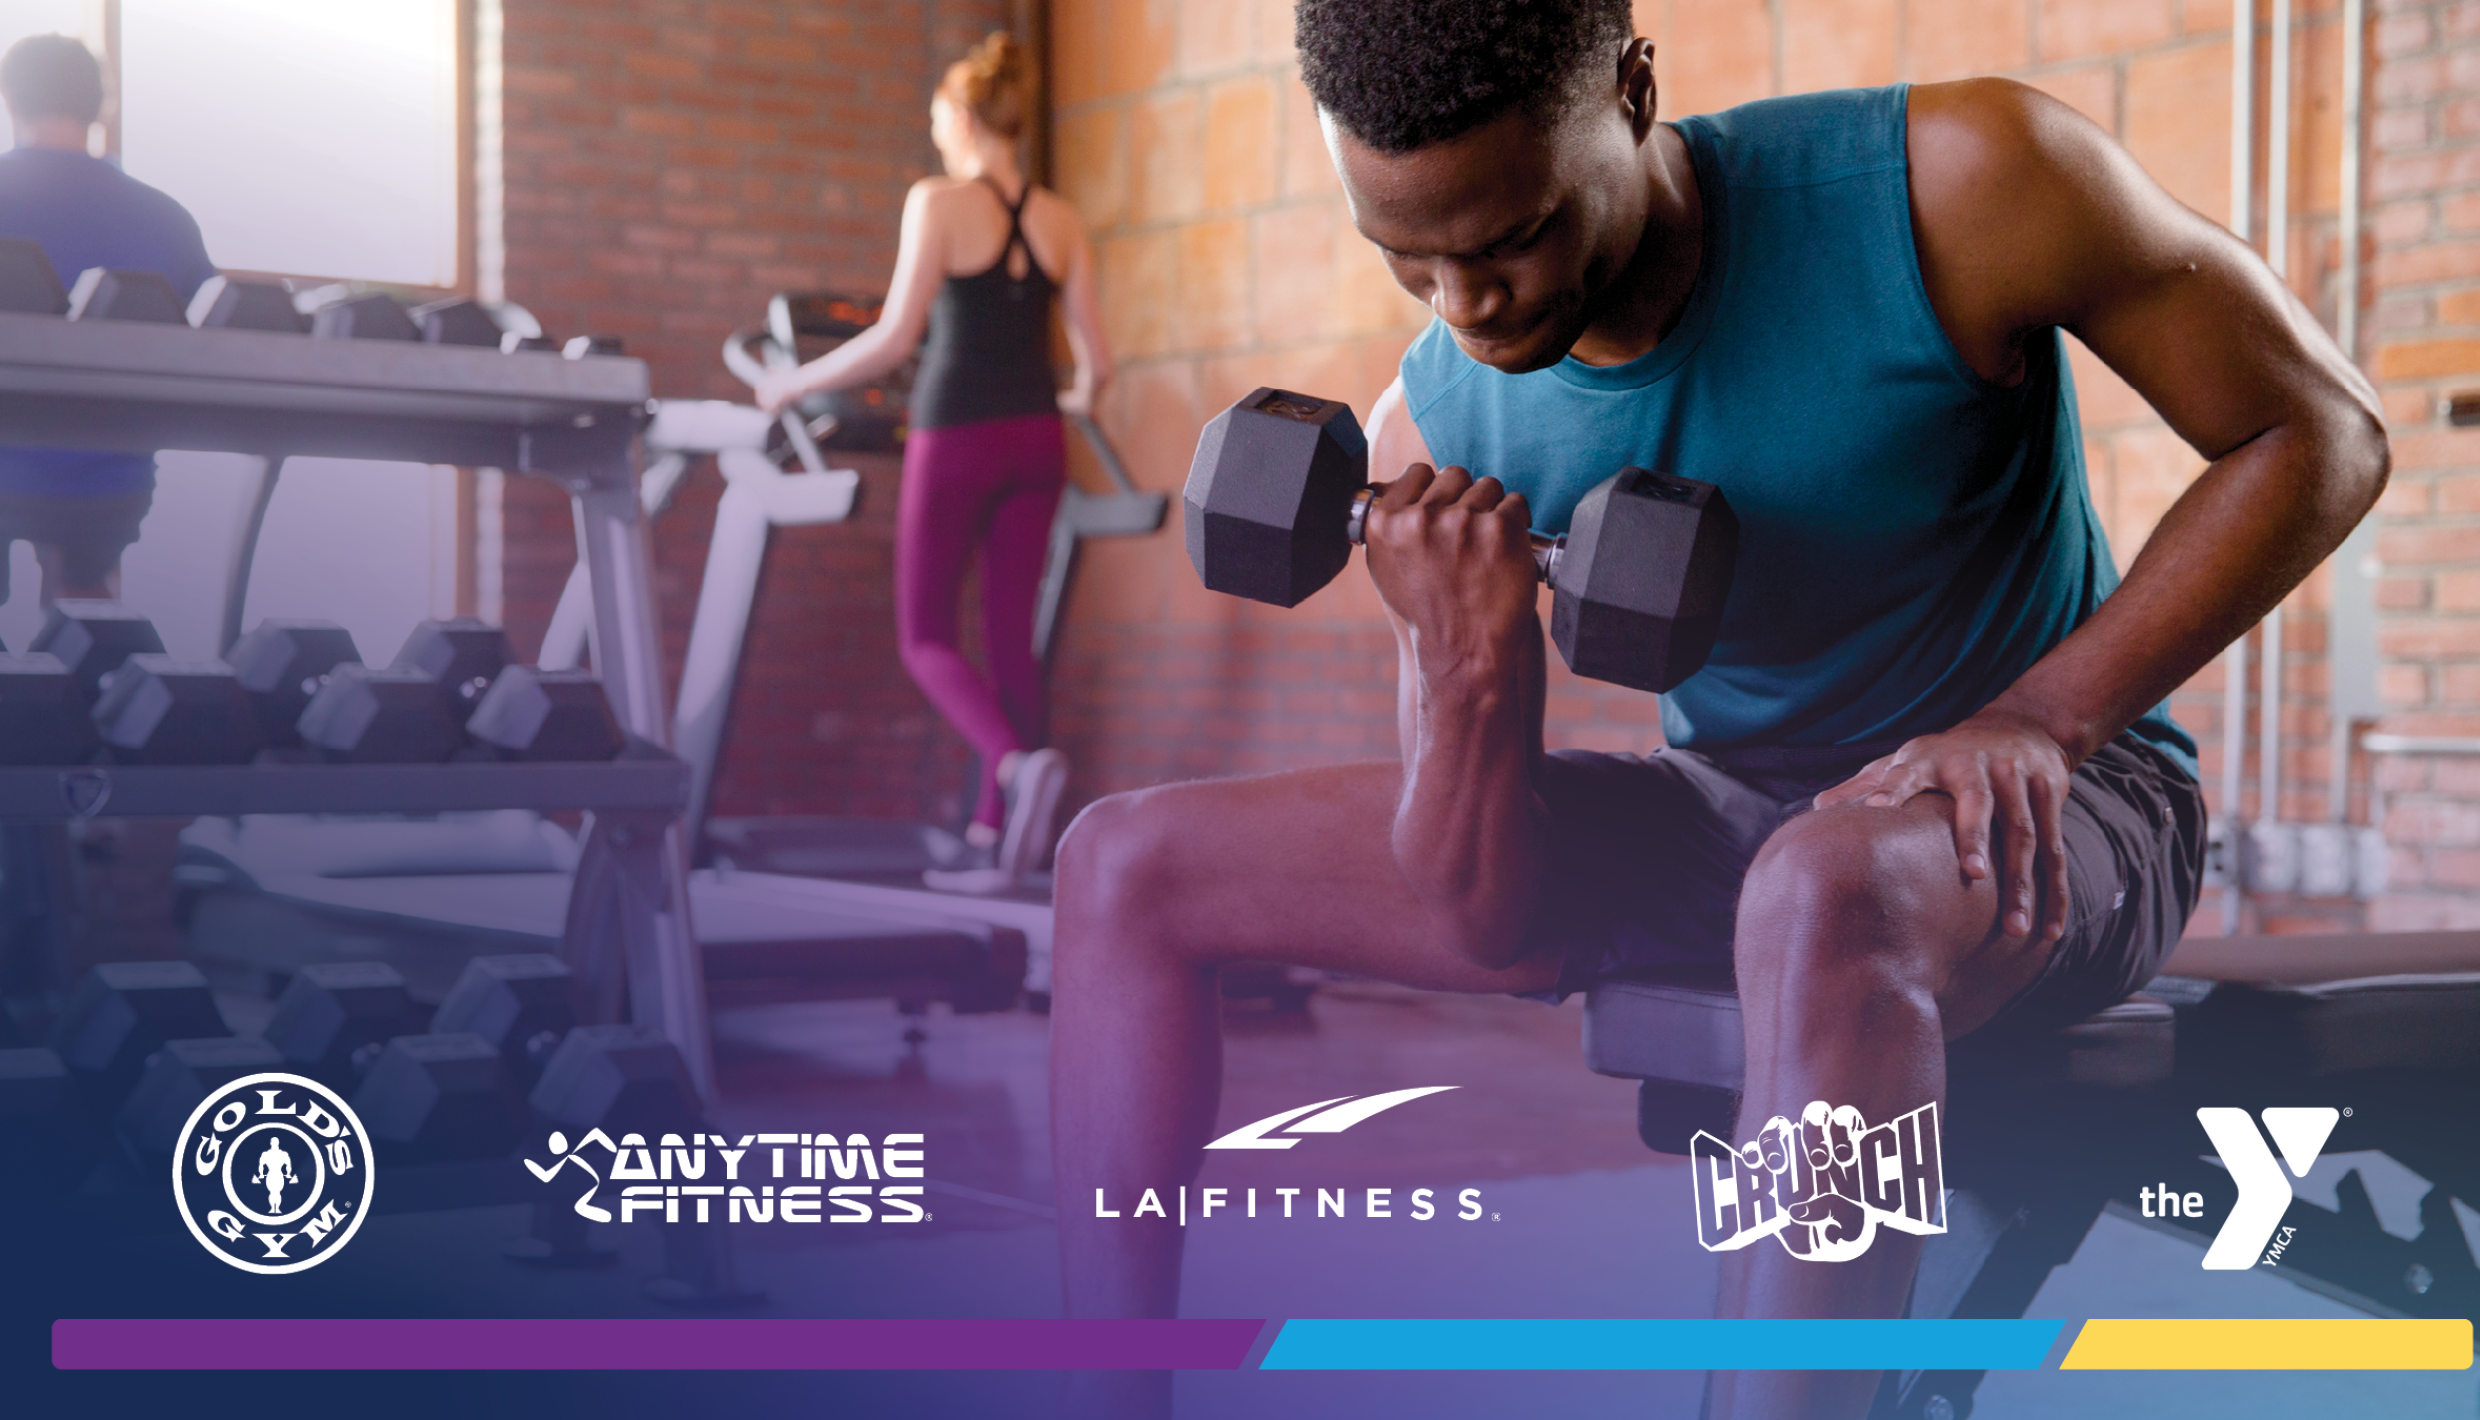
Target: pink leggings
[995,484]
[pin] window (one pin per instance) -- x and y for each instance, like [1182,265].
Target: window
[308,137]
[20,18]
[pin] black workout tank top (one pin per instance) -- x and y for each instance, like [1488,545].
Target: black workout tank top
[988,355]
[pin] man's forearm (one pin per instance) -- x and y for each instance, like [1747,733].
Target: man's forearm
[2234,544]
[1469,829]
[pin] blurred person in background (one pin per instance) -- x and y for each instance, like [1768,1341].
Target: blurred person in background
[983,256]
[80,508]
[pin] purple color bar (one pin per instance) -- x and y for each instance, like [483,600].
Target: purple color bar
[463,1344]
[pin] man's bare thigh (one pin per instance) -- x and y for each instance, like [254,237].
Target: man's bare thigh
[1294,868]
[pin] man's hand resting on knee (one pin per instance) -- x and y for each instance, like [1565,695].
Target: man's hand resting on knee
[2004,771]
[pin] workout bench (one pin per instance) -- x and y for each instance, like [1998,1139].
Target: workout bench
[2043,1132]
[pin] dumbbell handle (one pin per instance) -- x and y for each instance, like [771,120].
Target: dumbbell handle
[1547,551]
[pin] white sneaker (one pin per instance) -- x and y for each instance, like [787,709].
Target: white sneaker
[972,882]
[1033,795]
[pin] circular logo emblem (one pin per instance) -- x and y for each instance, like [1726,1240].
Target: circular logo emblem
[273,1173]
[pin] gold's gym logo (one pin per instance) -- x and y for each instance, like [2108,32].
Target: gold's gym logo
[273,1173]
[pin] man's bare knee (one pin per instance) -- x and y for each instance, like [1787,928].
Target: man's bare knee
[1117,868]
[1844,892]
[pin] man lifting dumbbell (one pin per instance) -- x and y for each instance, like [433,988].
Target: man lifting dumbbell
[1923,784]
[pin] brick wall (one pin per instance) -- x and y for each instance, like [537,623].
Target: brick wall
[2424,343]
[668,165]
[1226,261]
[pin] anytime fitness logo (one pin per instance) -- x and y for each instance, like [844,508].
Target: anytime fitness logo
[712,1175]
[2264,1194]
[1821,1185]
[273,1173]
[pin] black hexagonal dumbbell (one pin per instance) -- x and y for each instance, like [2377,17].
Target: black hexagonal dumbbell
[281,664]
[228,303]
[179,1075]
[334,1016]
[412,711]
[430,1098]
[618,1078]
[523,1003]
[533,714]
[92,638]
[380,715]
[53,1134]
[1279,488]
[461,656]
[459,320]
[163,710]
[104,294]
[122,1012]
[43,718]
[373,315]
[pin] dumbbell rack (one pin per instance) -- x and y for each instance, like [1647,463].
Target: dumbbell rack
[142,387]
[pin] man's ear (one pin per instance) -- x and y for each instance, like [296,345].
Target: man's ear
[1637,90]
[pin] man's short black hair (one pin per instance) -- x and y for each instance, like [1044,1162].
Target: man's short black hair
[1398,74]
[52,76]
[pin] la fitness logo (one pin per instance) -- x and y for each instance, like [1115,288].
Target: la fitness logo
[273,1174]
[1284,1131]
[1823,1185]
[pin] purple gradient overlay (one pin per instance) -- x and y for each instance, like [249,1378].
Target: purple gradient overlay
[623,1344]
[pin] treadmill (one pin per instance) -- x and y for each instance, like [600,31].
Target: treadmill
[875,865]
[891,852]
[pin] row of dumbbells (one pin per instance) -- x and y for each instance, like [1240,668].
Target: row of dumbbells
[95,679]
[29,285]
[503,1058]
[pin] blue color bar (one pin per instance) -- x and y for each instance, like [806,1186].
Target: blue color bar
[1669,1344]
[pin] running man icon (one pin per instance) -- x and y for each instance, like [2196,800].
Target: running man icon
[275,1169]
[561,1158]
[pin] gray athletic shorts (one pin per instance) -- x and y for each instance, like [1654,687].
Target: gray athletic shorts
[1648,852]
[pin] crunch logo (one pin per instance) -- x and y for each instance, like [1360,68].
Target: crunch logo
[1822,1185]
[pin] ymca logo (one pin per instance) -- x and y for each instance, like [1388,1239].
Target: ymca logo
[1325,1117]
[289,1144]
[1822,1185]
[2264,1194]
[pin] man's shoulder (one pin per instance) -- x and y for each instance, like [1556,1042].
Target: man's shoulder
[1801,140]
[76,176]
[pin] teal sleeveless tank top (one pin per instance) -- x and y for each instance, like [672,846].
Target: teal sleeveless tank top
[1912,537]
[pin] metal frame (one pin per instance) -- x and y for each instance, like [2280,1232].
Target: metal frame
[141,388]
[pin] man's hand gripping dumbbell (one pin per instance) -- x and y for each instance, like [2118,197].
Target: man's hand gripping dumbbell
[1279,495]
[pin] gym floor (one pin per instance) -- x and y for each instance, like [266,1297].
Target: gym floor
[1582,1222]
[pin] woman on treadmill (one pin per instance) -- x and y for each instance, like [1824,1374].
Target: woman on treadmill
[983,255]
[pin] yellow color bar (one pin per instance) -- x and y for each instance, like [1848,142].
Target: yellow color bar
[2271,1344]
